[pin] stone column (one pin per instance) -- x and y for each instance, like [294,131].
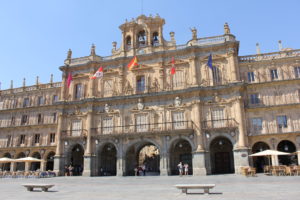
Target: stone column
[13,166]
[232,61]
[241,152]
[199,153]
[193,71]
[63,87]
[27,166]
[120,162]
[88,158]
[58,158]
[164,157]
[298,154]
[91,87]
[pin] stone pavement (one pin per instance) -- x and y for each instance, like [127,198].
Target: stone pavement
[228,187]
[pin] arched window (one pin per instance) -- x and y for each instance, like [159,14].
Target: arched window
[155,40]
[141,38]
[128,42]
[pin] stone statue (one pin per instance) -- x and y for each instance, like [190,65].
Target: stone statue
[194,32]
[69,56]
[106,108]
[93,50]
[155,85]
[177,102]
[172,35]
[226,28]
[140,104]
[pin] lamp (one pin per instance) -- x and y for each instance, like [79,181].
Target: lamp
[207,135]
[97,141]
[77,149]
[66,143]
[286,147]
[220,142]
[180,145]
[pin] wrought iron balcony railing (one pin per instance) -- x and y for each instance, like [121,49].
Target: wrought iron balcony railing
[74,133]
[219,124]
[144,128]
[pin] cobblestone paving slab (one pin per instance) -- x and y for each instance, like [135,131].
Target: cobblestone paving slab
[228,187]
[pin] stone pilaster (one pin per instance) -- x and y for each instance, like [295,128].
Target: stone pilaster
[199,163]
[298,154]
[241,127]
[58,158]
[120,166]
[240,159]
[163,164]
[88,158]
[232,59]
[193,71]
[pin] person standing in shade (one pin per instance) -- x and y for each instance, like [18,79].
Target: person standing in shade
[186,169]
[180,168]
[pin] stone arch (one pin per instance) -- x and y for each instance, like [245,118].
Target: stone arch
[50,161]
[6,166]
[261,161]
[144,156]
[180,150]
[174,139]
[226,135]
[74,157]
[107,159]
[221,155]
[35,165]
[288,147]
[20,166]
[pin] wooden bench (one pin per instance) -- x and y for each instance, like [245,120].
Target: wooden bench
[185,187]
[44,187]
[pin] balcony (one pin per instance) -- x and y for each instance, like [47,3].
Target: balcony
[219,124]
[268,101]
[152,128]
[80,133]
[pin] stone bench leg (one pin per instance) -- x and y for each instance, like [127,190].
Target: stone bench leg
[206,190]
[29,188]
[184,190]
[45,189]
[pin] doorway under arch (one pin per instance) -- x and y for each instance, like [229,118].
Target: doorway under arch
[6,166]
[108,160]
[36,165]
[260,161]
[50,161]
[181,151]
[221,155]
[142,159]
[20,166]
[288,147]
[77,159]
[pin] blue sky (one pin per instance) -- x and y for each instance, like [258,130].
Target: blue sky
[36,35]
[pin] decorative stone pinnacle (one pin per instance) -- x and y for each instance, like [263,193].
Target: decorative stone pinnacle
[11,84]
[93,50]
[257,49]
[51,78]
[226,28]
[280,45]
[69,56]
[37,80]
[24,82]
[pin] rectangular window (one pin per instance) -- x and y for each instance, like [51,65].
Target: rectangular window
[25,102]
[54,98]
[282,121]
[12,121]
[256,124]
[274,74]
[24,119]
[108,88]
[52,137]
[297,72]
[251,77]
[22,139]
[9,140]
[178,120]
[178,79]
[217,116]
[141,122]
[36,138]
[40,118]
[254,98]
[107,125]
[216,75]
[76,128]
[1,105]
[78,91]
[40,101]
[140,84]
[14,103]
[54,117]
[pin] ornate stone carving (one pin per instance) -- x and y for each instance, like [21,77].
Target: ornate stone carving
[140,104]
[177,102]
[106,108]
[226,28]
[194,33]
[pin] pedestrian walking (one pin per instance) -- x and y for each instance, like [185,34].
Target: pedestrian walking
[180,168]
[186,169]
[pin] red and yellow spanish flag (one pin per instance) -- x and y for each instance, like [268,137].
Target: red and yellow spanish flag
[173,71]
[98,74]
[132,63]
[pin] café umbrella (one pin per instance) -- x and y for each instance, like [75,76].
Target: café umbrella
[6,160]
[28,159]
[270,153]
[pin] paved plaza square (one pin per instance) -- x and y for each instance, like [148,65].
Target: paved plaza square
[228,187]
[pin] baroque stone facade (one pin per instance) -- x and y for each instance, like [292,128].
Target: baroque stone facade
[210,117]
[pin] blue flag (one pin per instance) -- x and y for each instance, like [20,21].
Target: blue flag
[209,62]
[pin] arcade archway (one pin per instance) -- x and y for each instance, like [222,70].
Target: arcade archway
[108,160]
[289,147]
[181,151]
[221,156]
[36,165]
[6,166]
[260,161]
[143,158]
[20,166]
[50,161]
[77,159]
